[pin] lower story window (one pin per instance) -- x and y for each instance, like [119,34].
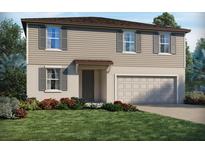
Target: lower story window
[53,79]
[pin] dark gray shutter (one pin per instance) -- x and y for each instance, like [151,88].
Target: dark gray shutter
[119,41]
[138,42]
[173,44]
[156,43]
[63,75]
[64,42]
[42,79]
[42,37]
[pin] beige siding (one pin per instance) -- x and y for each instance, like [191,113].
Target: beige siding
[102,45]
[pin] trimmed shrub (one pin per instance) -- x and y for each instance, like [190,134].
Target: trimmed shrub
[20,113]
[129,107]
[197,98]
[8,107]
[118,102]
[112,107]
[72,103]
[80,101]
[126,107]
[30,104]
[65,100]
[62,106]
[48,104]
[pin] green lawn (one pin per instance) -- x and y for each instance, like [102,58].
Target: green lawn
[98,125]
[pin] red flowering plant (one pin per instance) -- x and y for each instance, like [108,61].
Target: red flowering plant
[20,113]
[118,102]
[48,104]
[125,106]
[72,103]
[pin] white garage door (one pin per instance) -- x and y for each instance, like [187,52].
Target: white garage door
[146,89]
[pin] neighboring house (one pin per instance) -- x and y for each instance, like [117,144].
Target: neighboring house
[104,59]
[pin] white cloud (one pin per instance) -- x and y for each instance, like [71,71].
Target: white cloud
[193,36]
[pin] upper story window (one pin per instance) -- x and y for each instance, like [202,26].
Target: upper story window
[53,79]
[53,37]
[129,41]
[165,43]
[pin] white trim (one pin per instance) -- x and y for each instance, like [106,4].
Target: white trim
[53,66]
[52,91]
[27,44]
[123,50]
[129,52]
[52,49]
[160,33]
[164,54]
[157,75]
[184,52]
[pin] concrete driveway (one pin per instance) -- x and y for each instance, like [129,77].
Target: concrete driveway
[194,113]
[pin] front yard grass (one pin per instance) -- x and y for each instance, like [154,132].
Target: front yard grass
[98,125]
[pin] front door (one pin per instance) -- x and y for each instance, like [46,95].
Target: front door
[88,84]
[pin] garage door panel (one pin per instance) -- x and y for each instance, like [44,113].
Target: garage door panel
[137,89]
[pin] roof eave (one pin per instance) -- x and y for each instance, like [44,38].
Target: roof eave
[145,28]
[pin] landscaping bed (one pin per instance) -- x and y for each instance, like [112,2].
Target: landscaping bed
[11,108]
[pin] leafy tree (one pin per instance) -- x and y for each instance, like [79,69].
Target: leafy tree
[12,60]
[166,19]
[189,64]
[11,40]
[13,76]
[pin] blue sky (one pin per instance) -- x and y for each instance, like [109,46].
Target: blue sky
[193,21]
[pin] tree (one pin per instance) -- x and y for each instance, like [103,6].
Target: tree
[12,60]
[13,76]
[166,19]
[189,64]
[11,40]
[199,60]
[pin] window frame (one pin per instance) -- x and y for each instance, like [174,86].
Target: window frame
[169,43]
[123,41]
[53,90]
[53,49]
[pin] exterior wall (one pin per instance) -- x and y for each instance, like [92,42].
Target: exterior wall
[101,45]
[33,90]
[104,82]
[103,85]
[180,72]
[97,85]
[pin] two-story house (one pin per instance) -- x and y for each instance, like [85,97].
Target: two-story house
[104,59]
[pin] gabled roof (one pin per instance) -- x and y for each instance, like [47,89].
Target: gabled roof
[100,22]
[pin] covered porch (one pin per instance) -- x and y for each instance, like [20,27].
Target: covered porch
[93,79]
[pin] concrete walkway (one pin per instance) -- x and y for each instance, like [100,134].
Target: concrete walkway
[194,113]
